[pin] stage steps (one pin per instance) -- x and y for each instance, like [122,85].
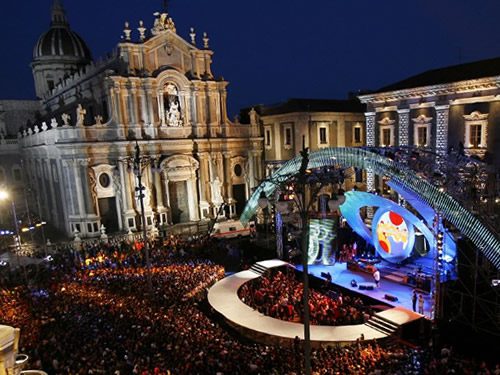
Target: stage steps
[258,269]
[382,324]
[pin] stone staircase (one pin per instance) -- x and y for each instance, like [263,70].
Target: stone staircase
[258,269]
[382,324]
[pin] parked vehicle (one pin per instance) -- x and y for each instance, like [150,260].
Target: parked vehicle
[232,229]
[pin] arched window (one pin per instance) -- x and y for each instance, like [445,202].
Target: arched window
[172,105]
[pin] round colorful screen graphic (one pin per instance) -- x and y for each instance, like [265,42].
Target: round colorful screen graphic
[392,236]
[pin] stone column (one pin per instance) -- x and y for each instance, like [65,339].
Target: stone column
[403,126]
[64,193]
[161,107]
[79,189]
[50,177]
[67,186]
[132,103]
[370,186]
[251,170]
[204,177]
[114,112]
[229,183]
[159,192]
[118,105]
[442,115]
[370,129]
[167,196]
[193,199]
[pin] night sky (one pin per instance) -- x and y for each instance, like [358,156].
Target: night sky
[271,50]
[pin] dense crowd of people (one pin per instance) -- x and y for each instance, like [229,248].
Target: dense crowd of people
[91,313]
[280,295]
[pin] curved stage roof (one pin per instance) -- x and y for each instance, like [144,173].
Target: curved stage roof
[468,224]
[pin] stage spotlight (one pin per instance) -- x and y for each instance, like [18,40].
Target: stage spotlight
[495,283]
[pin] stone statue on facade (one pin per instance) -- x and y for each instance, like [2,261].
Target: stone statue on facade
[80,115]
[173,115]
[98,120]
[217,191]
[66,118]
[162,23]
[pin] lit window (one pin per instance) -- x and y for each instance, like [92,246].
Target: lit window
[386,137]
[475,135]
[322,136]
[476,126]
[422,135]
[357,134]
[288,136]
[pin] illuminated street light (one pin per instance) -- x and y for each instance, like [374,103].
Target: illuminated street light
[4,195]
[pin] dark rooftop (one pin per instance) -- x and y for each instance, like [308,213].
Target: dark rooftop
[305,105]
[455,73]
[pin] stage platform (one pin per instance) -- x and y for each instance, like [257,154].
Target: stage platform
[223,297]
[342,276]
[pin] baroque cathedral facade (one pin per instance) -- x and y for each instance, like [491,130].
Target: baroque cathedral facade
[156,90]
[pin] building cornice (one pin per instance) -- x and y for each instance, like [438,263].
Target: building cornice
[461,87]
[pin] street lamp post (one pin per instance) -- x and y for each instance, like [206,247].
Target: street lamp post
[4,196]
[302,204]
[305,264]
[140,190]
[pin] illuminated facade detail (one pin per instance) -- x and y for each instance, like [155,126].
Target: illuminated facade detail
[317,123]
[403,125]
[442,115]
[476,132]
[172,108]
[323,135]
[268,137]
[288,136]
[485,240]
[370,128]
[157,89]
[386,132]
[422,131]
[357,135]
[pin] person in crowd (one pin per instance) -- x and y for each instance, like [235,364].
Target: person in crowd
[376,277]
[421,304]
[414,300]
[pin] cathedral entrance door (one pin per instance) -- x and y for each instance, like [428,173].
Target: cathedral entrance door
[240,197]
[179,204]
[109,215]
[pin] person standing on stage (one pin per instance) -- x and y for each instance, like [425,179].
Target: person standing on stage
[376,277]
[421,304]
[414,300]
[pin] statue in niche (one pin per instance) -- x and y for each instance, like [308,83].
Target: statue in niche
[172,106]
[217,191]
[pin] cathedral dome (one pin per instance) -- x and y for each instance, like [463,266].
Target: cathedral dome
[60,40]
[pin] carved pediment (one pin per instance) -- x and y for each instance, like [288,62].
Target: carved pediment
[422,120]
[476,116]
[386,121]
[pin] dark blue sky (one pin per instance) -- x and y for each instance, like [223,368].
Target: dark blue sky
[271,50]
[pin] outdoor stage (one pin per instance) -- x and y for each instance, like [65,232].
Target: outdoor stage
[342,276]
[223,297]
